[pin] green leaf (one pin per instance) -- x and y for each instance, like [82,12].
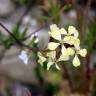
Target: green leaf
[19,35]
[24,33]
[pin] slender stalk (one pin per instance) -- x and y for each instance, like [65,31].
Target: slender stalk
[17,41]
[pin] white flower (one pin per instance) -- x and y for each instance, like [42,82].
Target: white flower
[72,36]
[50,59]
[82,52]
[56,34]
[66,52]
[64,56]
[42,59]
[24,57]
[69,44]
[71,40]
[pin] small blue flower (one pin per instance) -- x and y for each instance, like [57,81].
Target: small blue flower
[24,57]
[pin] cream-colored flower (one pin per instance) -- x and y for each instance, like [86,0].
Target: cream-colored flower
[82,52]
[71,40]
[66,52]
[72,36]
[50,59]
[42,59]
[64,56]
[61,37]
[55,32]
[56,35]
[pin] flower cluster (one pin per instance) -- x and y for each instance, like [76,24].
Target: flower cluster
[63,45]
[62,38]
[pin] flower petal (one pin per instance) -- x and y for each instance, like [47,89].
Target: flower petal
[55,32]
[56,35]
[76,34]
[76,42]
[62,31]
[72,30]
[41,57]
[24,57]
[54,27]
[76,61]
[63,50]
[63,58]
[52,54]
[70,51]
[52,45]
[71,40]
[67,39]
[57,67]
[83,52]
[49,65]
[40,62]
[77,47]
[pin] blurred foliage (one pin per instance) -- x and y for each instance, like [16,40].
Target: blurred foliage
[52,12]
[8,41]
[91,37]
[23,2]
